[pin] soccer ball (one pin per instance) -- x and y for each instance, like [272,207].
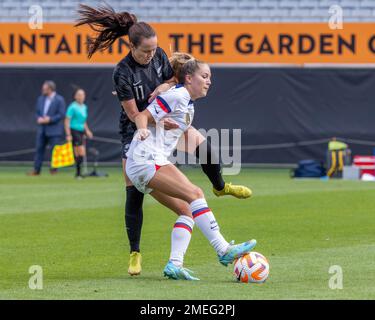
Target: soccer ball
[252,267]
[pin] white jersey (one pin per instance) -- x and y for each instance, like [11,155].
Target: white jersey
[175,104]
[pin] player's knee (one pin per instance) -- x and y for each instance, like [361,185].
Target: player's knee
[197,193]
[183,209]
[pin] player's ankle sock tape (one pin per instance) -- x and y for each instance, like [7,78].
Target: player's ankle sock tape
[134,216]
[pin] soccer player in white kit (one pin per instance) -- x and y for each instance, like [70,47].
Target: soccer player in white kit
[150,170]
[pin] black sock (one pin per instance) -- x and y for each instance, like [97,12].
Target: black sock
[210,166]
[133,216]
[79,160]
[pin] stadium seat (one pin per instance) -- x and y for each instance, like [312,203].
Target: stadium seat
[206,10]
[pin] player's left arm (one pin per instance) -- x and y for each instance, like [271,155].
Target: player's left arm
[162,88]
[168,76]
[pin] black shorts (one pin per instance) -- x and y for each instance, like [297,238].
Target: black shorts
[126,141]
[77,137]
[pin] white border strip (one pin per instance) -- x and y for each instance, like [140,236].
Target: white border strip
[218,65]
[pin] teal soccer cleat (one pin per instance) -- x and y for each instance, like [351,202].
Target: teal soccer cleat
[236,251]
[178,273]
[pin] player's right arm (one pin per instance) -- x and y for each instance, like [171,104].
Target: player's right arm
[141,121]
[125,93]
[68,116]
[130,108]
[68,133]
[156,112]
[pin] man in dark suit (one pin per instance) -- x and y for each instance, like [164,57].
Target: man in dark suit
[50,113]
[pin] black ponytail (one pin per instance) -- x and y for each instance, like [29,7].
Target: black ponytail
[110,25]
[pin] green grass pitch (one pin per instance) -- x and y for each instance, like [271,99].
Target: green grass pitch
[74,230]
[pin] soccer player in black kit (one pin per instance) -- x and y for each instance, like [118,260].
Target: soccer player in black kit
[138,78]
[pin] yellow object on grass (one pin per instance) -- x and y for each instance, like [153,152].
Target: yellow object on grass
[62,155]
[240,192]
[135,261]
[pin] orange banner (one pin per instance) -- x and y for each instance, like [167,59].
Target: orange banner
[275,43]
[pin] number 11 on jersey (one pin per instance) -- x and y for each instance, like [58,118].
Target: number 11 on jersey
[139,92]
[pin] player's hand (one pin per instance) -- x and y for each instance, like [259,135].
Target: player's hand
[142,134]
[89,134]
[162,88]
[169,124]
[69,137]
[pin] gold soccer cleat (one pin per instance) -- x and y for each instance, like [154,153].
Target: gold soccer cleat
[240,192]
[135,261]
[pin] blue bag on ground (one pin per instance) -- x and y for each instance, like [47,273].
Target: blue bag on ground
[309,169]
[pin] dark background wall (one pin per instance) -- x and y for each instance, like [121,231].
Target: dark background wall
[270,105]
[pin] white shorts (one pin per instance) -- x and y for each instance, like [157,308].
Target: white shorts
[140,173]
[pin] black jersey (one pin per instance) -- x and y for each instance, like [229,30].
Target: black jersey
[132,80]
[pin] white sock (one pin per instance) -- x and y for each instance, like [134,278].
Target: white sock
[181,235]
[206,222]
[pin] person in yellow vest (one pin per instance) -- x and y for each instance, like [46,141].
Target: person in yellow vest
[76,127]
[338,156]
